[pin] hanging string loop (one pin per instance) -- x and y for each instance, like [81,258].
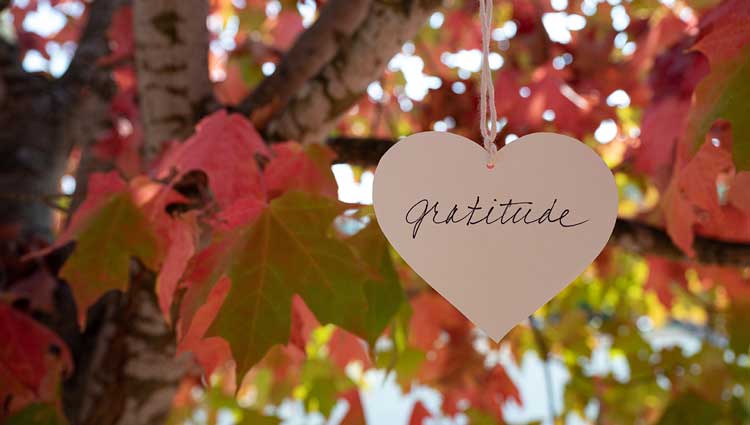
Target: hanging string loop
[487,87]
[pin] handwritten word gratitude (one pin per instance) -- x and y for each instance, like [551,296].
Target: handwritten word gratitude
[503,212]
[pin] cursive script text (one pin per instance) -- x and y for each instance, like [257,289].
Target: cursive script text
[503,212]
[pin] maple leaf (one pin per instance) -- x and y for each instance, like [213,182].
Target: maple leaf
[30,356]
[181,247]
[225,148]
[286,27]
[286,250]
[725,92]
[297,167]
[462,31]
[355,415]
[419,414]
[663,274]
[303,324]
[383,290]
[690,409]
[661,129]
[550,92]
[37,414]
[736,284]
[739,192]
[691,203]
[432,315]
[169,208]
[724,31]
[210,352]
[233,89]
[346,348]
[109,229]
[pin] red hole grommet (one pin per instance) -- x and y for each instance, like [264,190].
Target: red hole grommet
[490,166]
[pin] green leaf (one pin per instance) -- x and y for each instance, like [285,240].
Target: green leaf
[702,4]
[690,409]
[478,417]
[37,414]
[738,318]
[405,363]
[321,385]
[383,291]
[106,241]
[252,417]
[724,94]
[288,249]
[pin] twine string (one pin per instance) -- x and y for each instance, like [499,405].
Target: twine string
[487,87]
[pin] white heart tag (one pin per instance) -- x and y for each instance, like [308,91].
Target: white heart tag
[497,243]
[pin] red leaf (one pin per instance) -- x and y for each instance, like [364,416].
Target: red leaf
[181,236]
[662,275]
[233,89]
[345,348]
[121,38]
[499,388]
[303,323]
[295,167]
[356,414]
[691,203]
[419,414]
[211,352]
[739,193]
[488,393]
[550,92]
[100,189]
[225,148]
[30,357]
[662,127]
[731,279]
[286,28]
[463,30]
[724,31]
[432,314]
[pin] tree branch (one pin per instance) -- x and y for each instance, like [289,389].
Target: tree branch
[172,65]
[311,51]
[631,235]
[92,46]
[645,239]
[315,109]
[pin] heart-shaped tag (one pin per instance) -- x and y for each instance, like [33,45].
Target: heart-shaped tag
[497,242]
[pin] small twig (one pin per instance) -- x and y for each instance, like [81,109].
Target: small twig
[48,199]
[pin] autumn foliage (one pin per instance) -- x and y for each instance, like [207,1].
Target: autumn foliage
[278,292]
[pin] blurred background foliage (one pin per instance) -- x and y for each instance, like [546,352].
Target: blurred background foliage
[659,88]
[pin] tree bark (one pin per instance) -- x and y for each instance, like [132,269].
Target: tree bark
[311,51]
[171,40]
[32,152]
[314,110]
[127,371]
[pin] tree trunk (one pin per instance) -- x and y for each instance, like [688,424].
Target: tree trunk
[171,40]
